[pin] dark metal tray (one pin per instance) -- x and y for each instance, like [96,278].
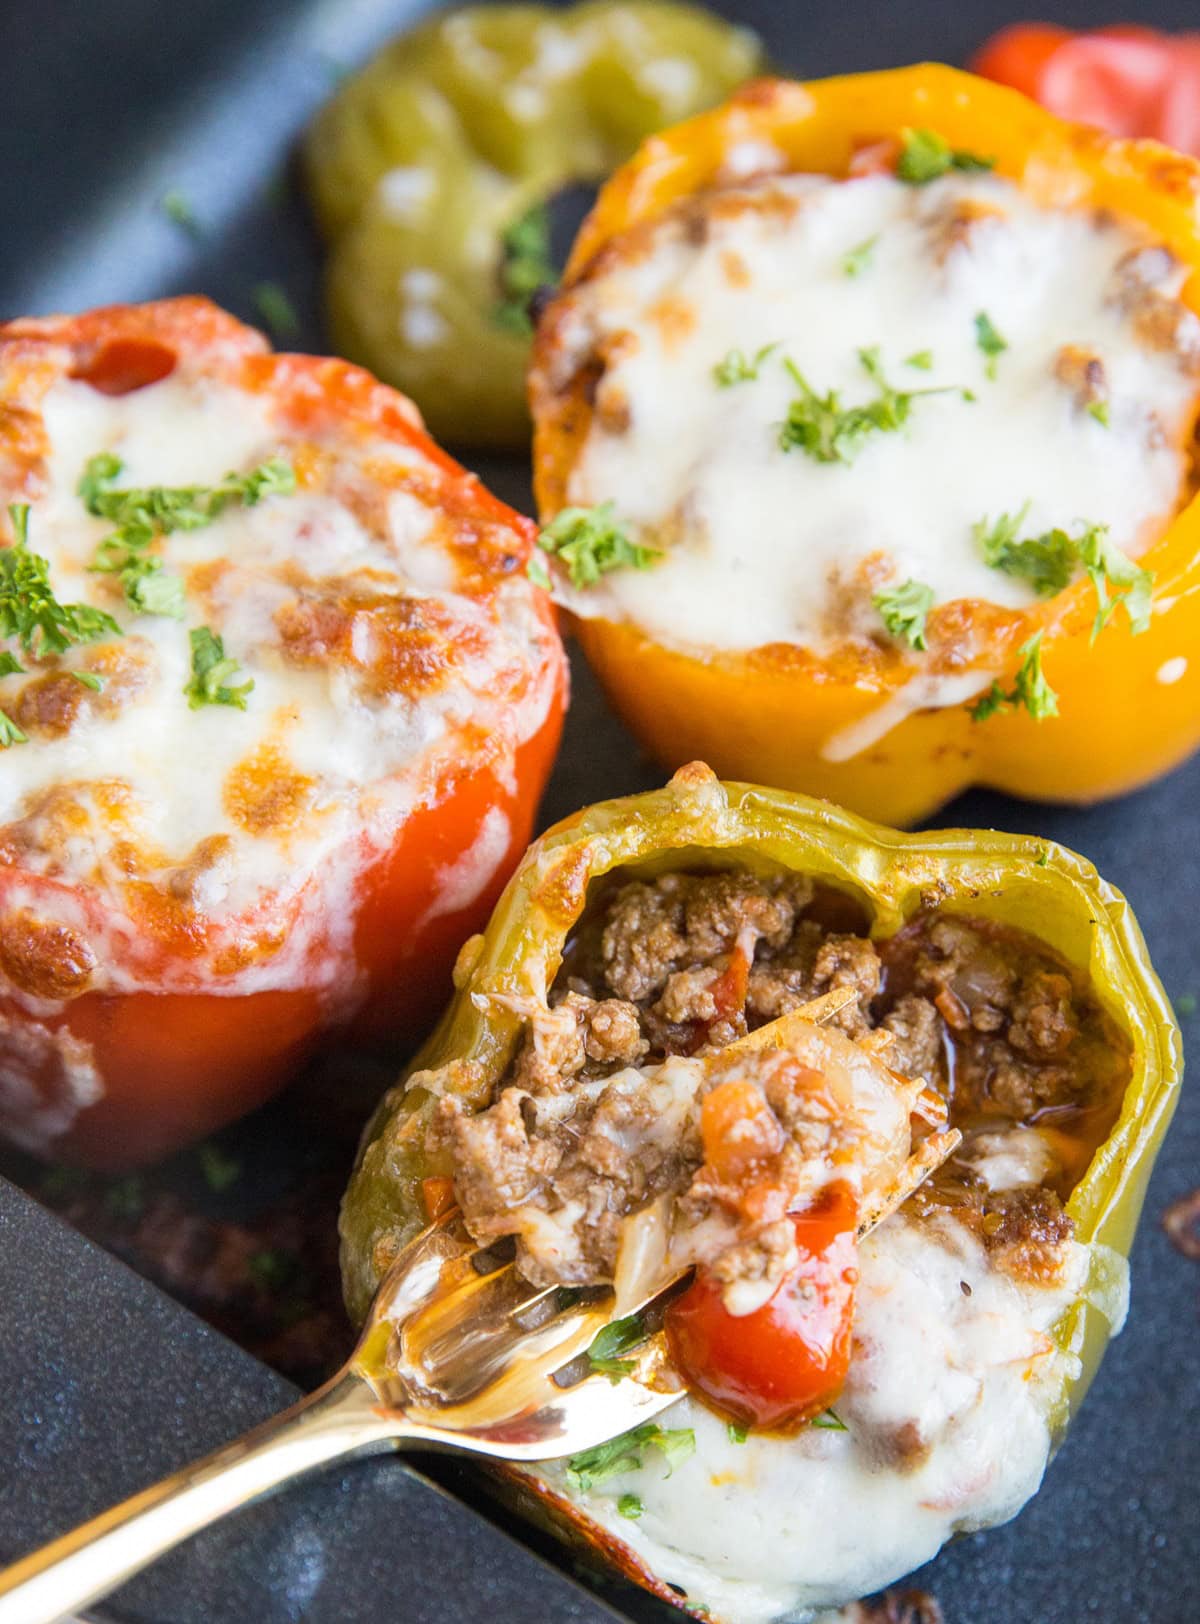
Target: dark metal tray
[105,1382]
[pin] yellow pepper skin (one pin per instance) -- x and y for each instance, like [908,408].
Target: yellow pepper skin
[449,136]
[767,713]
[697,821]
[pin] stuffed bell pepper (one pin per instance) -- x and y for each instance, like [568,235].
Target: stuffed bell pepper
[865,444]
[891,1100]
[432,172]
[277,701]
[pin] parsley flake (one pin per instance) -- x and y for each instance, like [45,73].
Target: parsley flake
[737,1433]
[1030,692]
[617,1337]
[1099,410]
[277,311]
[1047,561]
[272,1269]
[590,542]
[829,1421]
[89,679]
[1107,567]
[925,156]
[989,340]
[29,611]
[736,367]
[179,211]
[857,260]
[142,514]
[125,1198]
[921,359]
[525,267]
[10,733]
[211,671]
[624,1454]
[630,1505]
[220,1171]
[904,609]
[830,432]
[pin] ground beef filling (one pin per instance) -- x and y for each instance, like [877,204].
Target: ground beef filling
[684,964]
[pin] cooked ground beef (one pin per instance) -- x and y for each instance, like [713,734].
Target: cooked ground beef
[685,963]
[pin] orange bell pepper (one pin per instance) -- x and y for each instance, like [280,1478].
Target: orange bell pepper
[1129,708]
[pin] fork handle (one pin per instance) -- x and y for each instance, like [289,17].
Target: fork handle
[342,1418]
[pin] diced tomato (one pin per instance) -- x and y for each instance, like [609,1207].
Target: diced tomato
[787,1361]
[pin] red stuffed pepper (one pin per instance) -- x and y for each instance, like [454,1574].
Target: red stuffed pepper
[276,704]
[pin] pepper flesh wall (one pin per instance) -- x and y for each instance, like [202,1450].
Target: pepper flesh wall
[1051,1286]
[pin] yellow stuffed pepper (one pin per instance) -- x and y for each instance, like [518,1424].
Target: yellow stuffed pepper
[633,1059]
[865,444]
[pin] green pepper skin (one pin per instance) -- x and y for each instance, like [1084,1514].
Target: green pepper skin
[452,133]
[696,821]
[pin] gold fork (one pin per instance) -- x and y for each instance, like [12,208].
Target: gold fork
[458,1353]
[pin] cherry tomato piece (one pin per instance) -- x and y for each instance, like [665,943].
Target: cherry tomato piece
[787,1361]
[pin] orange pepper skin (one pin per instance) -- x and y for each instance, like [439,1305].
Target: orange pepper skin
[1129,708]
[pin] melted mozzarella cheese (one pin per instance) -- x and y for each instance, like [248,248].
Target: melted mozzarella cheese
[945,1408]
[763,545]
[314,778]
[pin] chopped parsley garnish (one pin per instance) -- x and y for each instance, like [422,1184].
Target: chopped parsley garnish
[737,1433]
[272,1270]
[141,514]
[856,260]
[220,1171]
[1031,691]
[211,671]
[1049,561]
[525,266]
[736,367]
[904,609]
[29,611]
[276,309]
[989,340]
[1107,567]
[925,156]
[126,1198]
[10,733]
[89,679]
[829,1421]
[624,1454]
[1099,410]
[617,1337]
[1043,857]
[630,1505]
[830,432]
[921,359]
[180,212]
[589,542]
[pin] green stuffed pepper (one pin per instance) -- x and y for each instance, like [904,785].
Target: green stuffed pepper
[430,171]
[875,1361]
